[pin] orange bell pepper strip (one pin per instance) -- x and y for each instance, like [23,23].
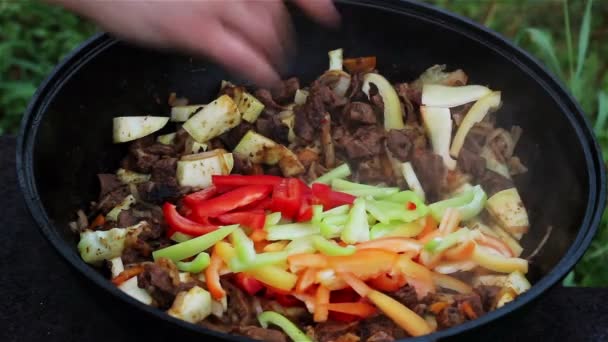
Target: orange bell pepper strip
[212,275]
[447,282]
[321,302]
[359,309]
[360,64]
[429,236]
[100,220]
[496,244]
[430,225]
[417,275]
[356,284]
[365,264]
[392,244]
[306,280]
[127,274]
[461,252]
[385,282]
[298,262]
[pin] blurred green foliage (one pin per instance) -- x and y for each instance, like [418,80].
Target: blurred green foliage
[567,36]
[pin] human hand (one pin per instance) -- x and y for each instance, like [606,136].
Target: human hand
[250,38]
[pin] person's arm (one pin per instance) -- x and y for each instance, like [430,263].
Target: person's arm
[250,38]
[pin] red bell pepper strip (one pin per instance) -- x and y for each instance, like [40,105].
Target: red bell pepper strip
[324,195]
[250,219]
[385,282]
[240,180]
[248,283]
[181,224]
[282,297]
[305,212]
[346,295]
[359,309]
[287,197]
[262,204]
[229,201]
[196,197]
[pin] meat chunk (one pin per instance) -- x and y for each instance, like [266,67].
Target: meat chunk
[257,333]
[107,183]
[161,280]
[240,309]
[359,112]
[264,96]
[273,128]
[473,300]
[380,329]
[399,143]
[488,296]
[449,317]
[493,182]
[471,162]
[232,137]
[308,116]
[242,166]
[307,156]
[332,330]
[112,198]
[143,153]
[372,171]
[302,127]
[158,193]
[286,90]
[431,172]
[126,218]
[164,170]
[367,141]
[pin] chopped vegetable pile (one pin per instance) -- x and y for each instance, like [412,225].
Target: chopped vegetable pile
[351,210]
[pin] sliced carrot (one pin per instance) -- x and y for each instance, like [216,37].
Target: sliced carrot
[298,262]
[463,251]
[127,274]
[360,64]
[468,310]
[356,284]
[386,282]
[258,235]
[364,264]
[360,309]
[496,244]
[212,275]
[449,222]
[321,302]
[429,236]
[100,220]
[437,307]
[430,225]
[306,279]
[392,244]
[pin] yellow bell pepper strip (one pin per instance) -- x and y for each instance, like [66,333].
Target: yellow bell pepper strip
[302,245]
[275,246]
[450,283]
[260,260]
[290,329]
[200,262]
[225,251]
[298,262]
[392,244]
[212,276]
[194,246]
[331,248]
[395,228]
[469,204]
[258,235]
[339,172]
[243,246]
[291,231]
[306,280]
[361,190]
[356,228]
[498,263]
[387,211]
[440,244]
[365,264]
[274,276]
[321,301]
[272,219]
[407,319]
[417,275]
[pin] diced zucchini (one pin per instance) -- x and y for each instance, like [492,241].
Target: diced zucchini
[335,59]
[128,128]
[216,118]
[438,124]
[183,113]
[507,208]
[191,306]
[300,97]
[124,205]
[250,107]
[166,139]
[437,95]
[131,177]
[289,163]
[197,172]
[99,245]
[261,150]
[479,110]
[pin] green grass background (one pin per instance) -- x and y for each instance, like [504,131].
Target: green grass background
[567,36]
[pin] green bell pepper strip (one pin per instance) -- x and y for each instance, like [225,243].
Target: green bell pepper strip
[199,263]
[319,214]
[395,228]
[356,228]
[263,259]
[291,231]
[331,248]
[180,237]
[272,219]
[302,245]
[271,317]
[469,204]
[404,197]
[362,190]
[194,246]
[336,220]
[386,211]
[330,231]
[441,244]
[243,246]
[341,171]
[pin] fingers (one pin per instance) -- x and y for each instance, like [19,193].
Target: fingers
[322,11]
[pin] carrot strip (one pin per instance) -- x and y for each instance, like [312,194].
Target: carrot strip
[430,225]
[385,282]
[450,221]
[100,220]
[437,307]
[461,252]
[360,64]
[321,302]
[306,280]
[212,276]
[429,236]
[298,262]
[392,244]
[364,264]
[127,274]
[468,310]
[357,308]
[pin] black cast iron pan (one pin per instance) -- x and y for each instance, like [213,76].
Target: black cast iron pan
[65,135]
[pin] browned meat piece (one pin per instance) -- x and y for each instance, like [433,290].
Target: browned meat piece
[153,215]
[107,183]
[161,280]
[449,317]
[164,170]
[399,143]
[181,136]
[309,116]
[458,113]
[367,141]
[242,166]
[264,96]
[407,296]
[215,324]
[488,296]
[359,112]
[476,138]
[354,92]
[158,193]
[285,92]
[380,328]
[378,103]
[493,182]
[332,330]
[126,218]
[471,162]
[160,149]
[137,251]
[307,156]
[272,170]
[371,171]
[232,137]
[257,333]
[431,172]
[474,301]
[240,309]
[407,97]
[273,128]
[143,153]
[302,127]
[413,95]
[112,199]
